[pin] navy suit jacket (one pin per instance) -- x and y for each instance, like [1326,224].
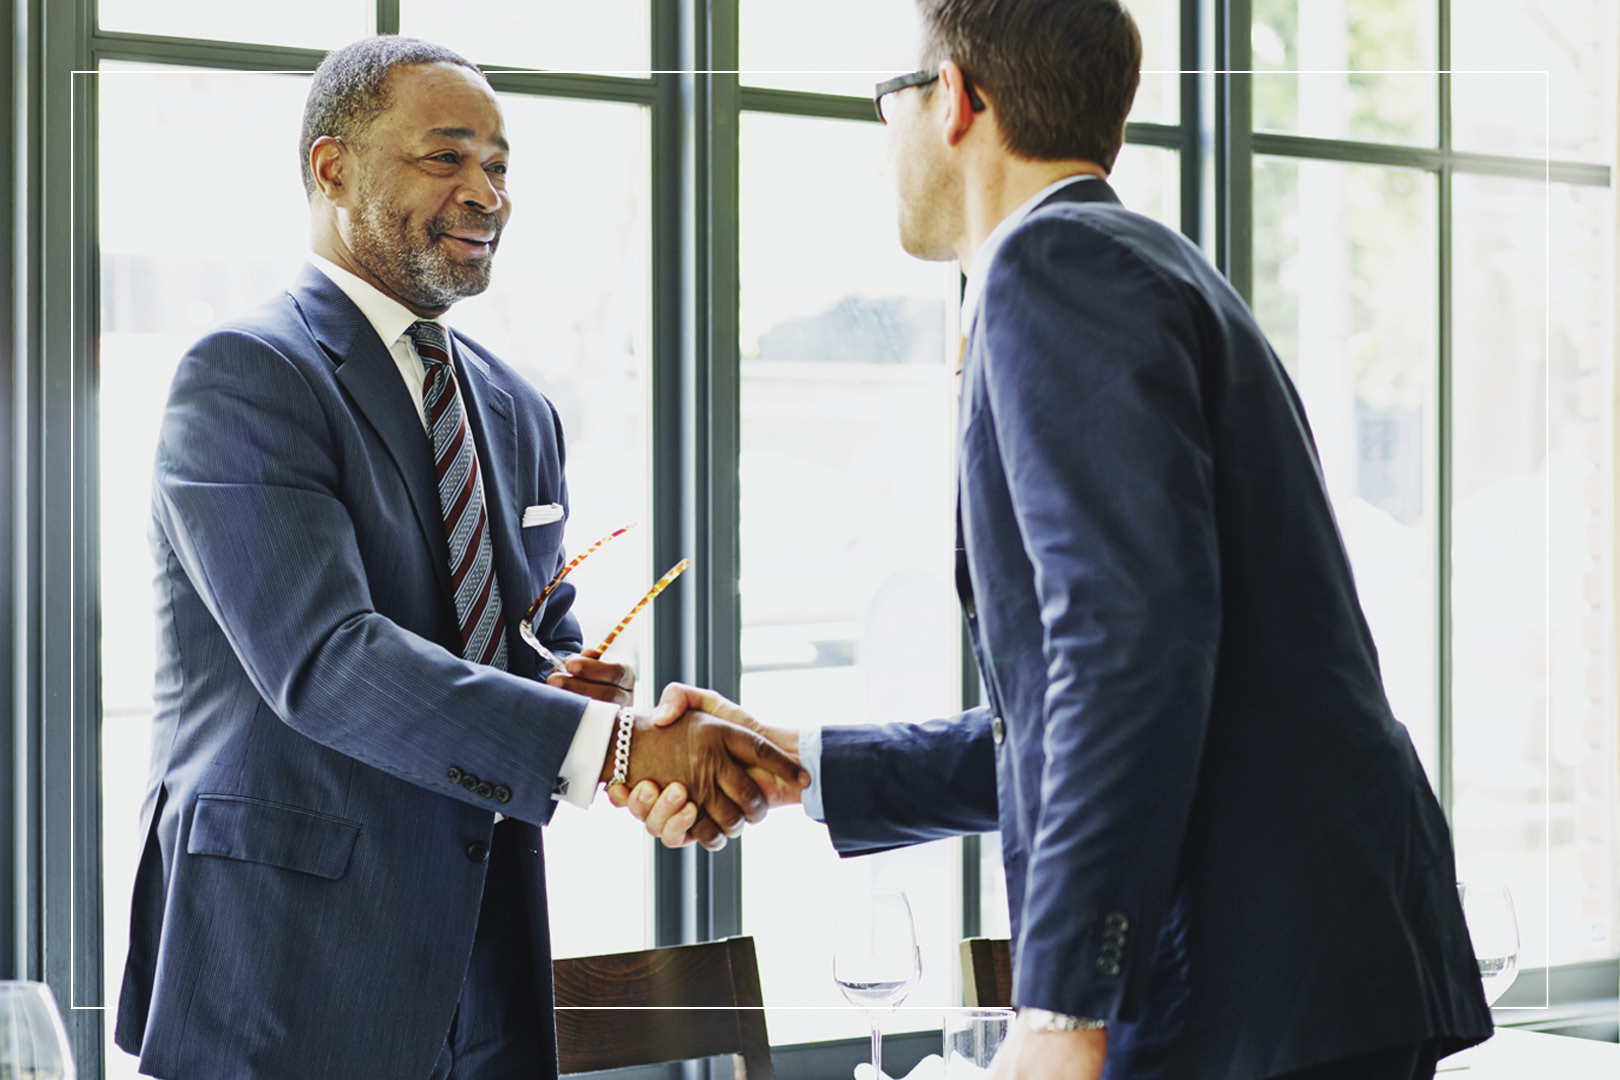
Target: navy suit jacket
[1216,836]
[315,855]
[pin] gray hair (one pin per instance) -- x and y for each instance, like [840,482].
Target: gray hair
[350,89]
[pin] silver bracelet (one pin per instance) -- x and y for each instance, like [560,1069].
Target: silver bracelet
[621,746]
[1043,1020]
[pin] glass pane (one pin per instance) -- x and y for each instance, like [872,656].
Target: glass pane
[1369,69]
[845,46]
[1536,77]
[586,345]
[1533,673]
[833,47]
[1147,179]
[161,287]
[848,609]
[1158,98]
[569,308]
[604,36]
[323,24]
[1345,288]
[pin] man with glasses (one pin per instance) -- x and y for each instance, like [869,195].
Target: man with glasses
[353,506]
[1223,857]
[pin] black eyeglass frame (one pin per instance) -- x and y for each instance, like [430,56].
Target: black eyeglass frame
[919,78]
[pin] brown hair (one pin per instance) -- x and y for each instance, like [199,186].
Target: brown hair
[1060,73]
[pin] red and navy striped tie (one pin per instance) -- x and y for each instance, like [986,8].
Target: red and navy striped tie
[461,497]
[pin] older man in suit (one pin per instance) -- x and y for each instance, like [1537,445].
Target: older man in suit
[1223,858]
[353,506]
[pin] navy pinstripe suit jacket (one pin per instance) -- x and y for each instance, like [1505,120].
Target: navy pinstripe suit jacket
[311,881]
[1216,836]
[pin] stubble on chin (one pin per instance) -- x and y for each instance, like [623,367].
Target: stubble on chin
[929,205]
[924,233]
[409,259]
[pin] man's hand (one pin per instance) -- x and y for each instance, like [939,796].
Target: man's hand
[717,764]
[1050,1055]
[612,683]
[668,814]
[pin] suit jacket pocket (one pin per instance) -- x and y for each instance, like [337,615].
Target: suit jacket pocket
[253,830]
[540,544]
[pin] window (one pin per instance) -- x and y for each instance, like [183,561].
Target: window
[161,287]
[702,274]
[847,560]
[1446,316]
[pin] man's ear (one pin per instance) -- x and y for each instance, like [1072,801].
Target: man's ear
[959,116]
[332,163]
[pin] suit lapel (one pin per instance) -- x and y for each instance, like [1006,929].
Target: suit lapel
[1095,190]
[371,378]
[494,429]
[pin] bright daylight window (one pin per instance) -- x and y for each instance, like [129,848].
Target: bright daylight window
[1347,284]
[1447,320]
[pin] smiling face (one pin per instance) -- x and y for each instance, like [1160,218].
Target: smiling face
[427,201]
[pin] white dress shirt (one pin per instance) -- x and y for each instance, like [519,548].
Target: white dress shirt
[391,319]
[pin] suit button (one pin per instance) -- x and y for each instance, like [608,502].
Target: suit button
[998,730]
[1108,965]
[1117,921]
[469,781]
[454,774]
[477,851]
[503,793]
[1113,938]
[485,789]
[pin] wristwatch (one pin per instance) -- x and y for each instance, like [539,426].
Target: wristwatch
[1042,1020]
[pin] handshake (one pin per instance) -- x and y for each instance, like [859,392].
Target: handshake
[700,765]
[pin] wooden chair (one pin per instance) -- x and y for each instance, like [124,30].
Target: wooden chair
[987,973]
[670,1004]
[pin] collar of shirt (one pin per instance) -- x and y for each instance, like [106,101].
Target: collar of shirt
[973,291]
[390,319]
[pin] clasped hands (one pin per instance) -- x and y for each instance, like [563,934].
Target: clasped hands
[700,765]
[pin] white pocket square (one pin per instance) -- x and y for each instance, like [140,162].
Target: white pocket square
[542,515]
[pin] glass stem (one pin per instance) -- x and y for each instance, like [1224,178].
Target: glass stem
[877,1049]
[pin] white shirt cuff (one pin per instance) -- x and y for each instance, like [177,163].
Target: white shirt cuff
[810,759]
[576,780]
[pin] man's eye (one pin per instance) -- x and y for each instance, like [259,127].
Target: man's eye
[498,168]
[449,157]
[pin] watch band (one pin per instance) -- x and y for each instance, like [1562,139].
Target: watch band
[1045,1020]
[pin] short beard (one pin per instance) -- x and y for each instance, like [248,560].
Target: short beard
[411,263]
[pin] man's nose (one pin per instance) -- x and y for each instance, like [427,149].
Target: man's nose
[478,191]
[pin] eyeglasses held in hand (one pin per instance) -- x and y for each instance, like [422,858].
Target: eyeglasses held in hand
[526,627]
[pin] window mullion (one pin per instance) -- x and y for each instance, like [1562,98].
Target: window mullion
[1443,428]
[1234,158]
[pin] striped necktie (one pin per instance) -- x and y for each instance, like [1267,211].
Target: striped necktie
[461,498]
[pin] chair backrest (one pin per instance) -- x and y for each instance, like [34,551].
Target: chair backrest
[986,973]
[670,1004]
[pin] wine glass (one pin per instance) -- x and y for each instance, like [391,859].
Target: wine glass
[972,1038]
[876,962]
[33,1044]
[1488,909]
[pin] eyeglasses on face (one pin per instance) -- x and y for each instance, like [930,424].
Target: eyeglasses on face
[919,78]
